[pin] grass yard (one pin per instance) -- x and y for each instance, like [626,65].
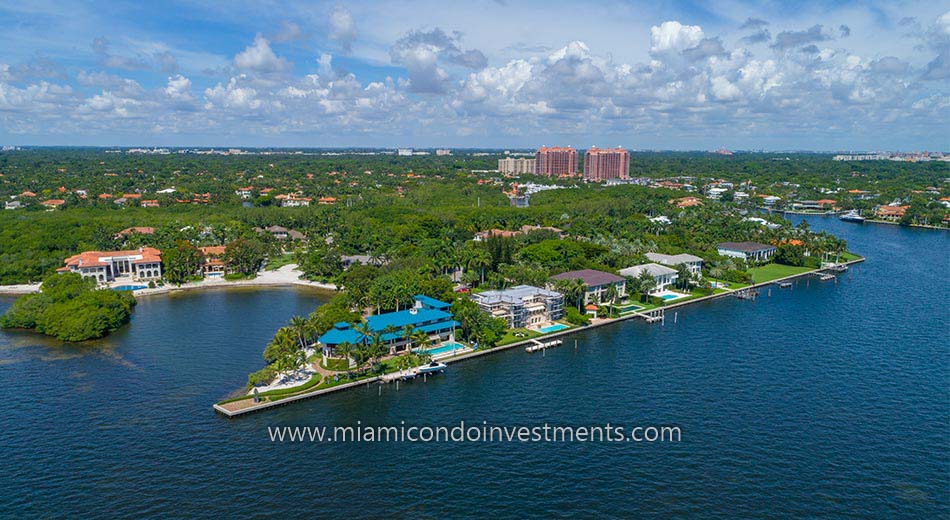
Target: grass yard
[769,272]
[279,261]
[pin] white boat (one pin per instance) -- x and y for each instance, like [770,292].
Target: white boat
[852,216]
[434,366]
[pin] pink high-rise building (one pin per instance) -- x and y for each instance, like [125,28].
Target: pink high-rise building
[555,161]
[603,164]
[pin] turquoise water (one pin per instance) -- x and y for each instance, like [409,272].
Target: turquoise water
[827,400]
[128,287]
[670,297]
[447,347]
[553,328]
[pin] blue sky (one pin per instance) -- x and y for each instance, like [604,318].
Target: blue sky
[483,73]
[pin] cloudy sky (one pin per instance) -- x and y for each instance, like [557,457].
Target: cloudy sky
[478,73]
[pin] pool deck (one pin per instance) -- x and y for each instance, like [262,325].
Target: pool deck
[234,409]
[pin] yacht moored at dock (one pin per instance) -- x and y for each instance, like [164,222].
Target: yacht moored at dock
[429,368]
[852,216]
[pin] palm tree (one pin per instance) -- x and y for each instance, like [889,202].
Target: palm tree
[300,328]
[578,289]
[421,340]
[346,350]
[376,348]
[408,336]
[647,283]
[611,295]
[390,331]
[480,260]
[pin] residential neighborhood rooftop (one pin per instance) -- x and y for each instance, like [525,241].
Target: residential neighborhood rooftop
[590,277]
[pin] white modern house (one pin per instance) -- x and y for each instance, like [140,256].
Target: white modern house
[692,262]
[664,276]
[751,251]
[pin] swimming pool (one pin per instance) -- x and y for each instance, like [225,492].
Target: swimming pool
[670,296]
[128,287]
[552,328]
[442,349]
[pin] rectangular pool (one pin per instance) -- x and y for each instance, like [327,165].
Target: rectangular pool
[552,328]
[129,287]
[447,347]
[670,296]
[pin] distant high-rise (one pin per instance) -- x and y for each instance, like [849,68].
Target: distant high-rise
[603,164]
[513,166]
[556,160]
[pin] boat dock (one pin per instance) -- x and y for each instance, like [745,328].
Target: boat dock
[537,345]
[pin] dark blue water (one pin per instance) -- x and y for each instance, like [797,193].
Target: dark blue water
[824,400]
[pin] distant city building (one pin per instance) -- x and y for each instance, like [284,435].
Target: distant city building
[404,152]
[443,152]
[516,166]
[555,161]
[522,305]
[603,164]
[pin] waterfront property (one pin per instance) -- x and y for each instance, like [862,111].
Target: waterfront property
[891,212]
[693,263]
[664,276]
[522,306]
[428,315]
[750,251]
[596,284]
[212,263]
[144,263]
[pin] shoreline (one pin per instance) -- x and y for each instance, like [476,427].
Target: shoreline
[285,276]
[477,353]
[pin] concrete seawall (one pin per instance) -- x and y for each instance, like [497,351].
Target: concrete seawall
[477,353]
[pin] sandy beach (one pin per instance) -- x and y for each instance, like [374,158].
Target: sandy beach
[285,276]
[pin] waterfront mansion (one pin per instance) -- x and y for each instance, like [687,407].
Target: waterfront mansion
[662,275]
[144,263]
[522,305]
[427,315]
[693,263]
[748,251]
[596,284]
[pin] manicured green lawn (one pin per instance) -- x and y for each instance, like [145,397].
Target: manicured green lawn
[769,272]
[732,285]
[847,257]
[510,337]
[337,365]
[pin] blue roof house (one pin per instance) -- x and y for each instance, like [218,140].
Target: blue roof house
[427,315]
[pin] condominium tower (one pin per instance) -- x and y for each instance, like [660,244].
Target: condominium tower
[603,164]
[556,160]
[513,166]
